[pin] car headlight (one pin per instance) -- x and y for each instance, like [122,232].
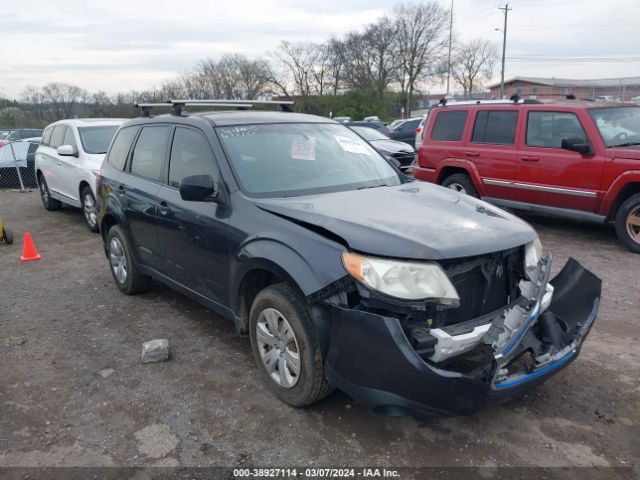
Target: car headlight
[405,280]
[532,254]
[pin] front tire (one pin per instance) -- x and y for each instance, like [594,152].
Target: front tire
[89,209]
[628,223]
[49,203]
[460,182]
[286,346]
[123,268]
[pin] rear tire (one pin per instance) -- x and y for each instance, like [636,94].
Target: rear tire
[460,182]
[628,223]
[286,347]
[122,265]
[7,236]
[89,209]
[48,202]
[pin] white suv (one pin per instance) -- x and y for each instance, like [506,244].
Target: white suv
[68,160]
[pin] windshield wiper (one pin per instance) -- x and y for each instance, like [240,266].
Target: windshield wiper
[628,144]
[373,186]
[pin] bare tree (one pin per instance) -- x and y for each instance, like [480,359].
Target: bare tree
[421,42]
[306,67]
[63,97]
[472,63]
[33,96]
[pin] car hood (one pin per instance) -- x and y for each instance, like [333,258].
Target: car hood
[415,221]
[391,146]
[631,152]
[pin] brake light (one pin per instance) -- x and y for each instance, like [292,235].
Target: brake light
[418,130]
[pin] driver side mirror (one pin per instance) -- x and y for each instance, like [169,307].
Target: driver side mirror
[198,188]
[577,144]
[67,151]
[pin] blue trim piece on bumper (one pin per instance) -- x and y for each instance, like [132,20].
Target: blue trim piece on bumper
[537,373]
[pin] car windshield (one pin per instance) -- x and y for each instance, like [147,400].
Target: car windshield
[97,139]
[284,160]
[369,134]
[395,124]
[619,126]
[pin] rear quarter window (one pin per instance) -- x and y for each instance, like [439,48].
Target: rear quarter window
[449,126]
[120,147]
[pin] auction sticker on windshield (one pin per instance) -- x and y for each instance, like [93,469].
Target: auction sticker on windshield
[303,148]
[351,145]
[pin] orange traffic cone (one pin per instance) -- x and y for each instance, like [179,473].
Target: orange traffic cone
[29,251]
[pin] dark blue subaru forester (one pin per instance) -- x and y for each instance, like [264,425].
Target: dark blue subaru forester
[345,273]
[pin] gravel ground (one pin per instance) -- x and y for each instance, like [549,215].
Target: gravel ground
[74,393]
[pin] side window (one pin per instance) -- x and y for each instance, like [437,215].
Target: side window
[46,137]
[149,152]
[69,139]
[57,137]
[496,126]
[190,155]
[119,150]
[449,126]
[547,129]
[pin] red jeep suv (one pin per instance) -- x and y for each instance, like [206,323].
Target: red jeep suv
[574,158]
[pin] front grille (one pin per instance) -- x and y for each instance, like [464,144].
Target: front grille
[484,283]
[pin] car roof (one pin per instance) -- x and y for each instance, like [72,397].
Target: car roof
[540,105]
[91,122]
[225,118]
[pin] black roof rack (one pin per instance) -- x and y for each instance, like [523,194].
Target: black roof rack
[178,105]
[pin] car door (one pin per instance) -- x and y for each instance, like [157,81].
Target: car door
[193,235]
[551,176]
[139,187]
[68,168]
[50,161]
[492,148]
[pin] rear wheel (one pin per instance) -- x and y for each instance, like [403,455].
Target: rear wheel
[460,182]
[7,236]
[628,223]
[48,202]
[286,347]
[123,268]
[89,209]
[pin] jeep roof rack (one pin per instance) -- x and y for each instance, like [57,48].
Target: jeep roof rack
[178,105]
[514,99]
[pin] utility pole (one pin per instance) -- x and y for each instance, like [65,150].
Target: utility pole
[450,36]
[506,10]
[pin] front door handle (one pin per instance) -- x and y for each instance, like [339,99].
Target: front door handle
[528,158]
[472,154]
[163,208]
[59,163]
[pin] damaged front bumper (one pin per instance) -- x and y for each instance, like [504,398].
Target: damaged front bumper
[371,358]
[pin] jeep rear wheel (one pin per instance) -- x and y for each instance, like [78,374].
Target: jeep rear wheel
[628,223]
[460,182]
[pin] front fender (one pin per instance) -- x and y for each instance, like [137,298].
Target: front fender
[609,198]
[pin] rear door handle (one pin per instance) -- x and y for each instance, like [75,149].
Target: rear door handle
[122,188]
[472,154]
[528,158]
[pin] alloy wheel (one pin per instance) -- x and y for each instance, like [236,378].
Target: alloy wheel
[278,348]
[90,212]
[633,224]
[118,260]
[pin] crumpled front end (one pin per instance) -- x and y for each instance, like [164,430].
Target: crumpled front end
[401,359]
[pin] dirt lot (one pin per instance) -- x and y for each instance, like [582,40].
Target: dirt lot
[74,393]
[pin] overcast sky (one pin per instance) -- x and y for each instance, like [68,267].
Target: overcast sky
[118,45]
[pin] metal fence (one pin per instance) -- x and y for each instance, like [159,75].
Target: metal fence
[17,165]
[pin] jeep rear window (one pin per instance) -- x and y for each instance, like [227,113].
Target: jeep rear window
[496,127]
[449,126]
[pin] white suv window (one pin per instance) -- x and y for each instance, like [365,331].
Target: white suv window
[57,137]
